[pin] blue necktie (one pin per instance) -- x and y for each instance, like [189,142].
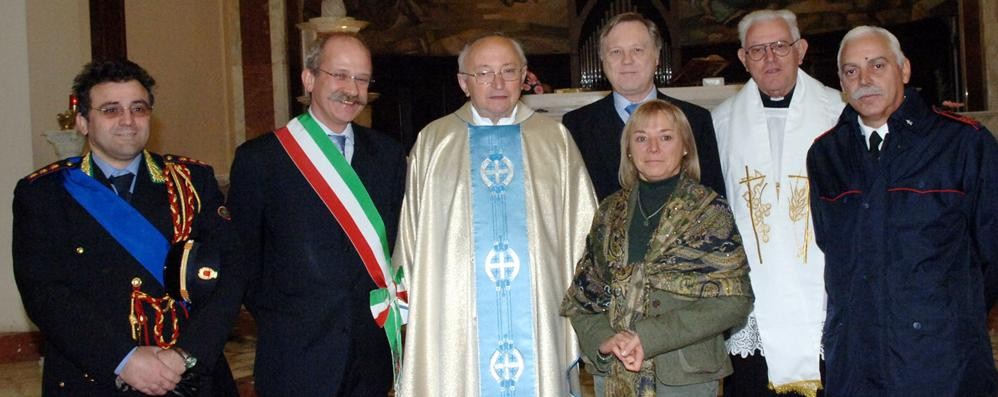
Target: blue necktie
[122,185]
[341,142]
[630,108]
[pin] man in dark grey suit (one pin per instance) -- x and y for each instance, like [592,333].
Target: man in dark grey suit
[307,251]
[629,48]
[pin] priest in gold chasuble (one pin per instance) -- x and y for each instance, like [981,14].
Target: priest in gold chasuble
[498,203]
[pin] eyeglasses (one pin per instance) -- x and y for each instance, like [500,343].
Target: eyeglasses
[511,73]
[780,48]
[362,81]
[115,111]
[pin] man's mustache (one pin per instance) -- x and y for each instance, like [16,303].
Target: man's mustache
[864,91]
[340,96]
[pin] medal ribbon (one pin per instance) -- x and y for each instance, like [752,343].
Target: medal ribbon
[123,222]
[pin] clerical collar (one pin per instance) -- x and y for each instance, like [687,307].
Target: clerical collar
[777,102]
[477,118]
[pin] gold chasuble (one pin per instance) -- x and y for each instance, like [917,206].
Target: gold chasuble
[436,247]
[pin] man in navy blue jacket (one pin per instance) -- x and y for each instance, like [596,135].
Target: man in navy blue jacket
[901,197]
[308,284]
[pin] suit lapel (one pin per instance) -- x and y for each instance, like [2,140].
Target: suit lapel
[150,199]
[609,128]
[363,161]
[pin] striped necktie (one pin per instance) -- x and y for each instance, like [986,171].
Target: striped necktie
[341,142]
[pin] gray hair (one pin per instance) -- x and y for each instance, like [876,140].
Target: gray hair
[767,15]
[861,31]
[630,17]
[467,48]
[313,58]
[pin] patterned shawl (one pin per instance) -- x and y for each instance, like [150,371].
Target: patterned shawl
[695,252]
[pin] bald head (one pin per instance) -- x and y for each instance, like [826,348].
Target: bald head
[492,70]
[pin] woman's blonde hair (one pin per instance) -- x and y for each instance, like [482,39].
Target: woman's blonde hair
[689,165]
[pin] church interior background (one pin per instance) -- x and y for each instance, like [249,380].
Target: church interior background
[230,71]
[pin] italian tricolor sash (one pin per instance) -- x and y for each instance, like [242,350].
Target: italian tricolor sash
[339,187]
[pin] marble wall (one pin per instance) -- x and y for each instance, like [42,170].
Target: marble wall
[989,33]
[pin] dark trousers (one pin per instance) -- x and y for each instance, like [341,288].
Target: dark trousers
[751,378]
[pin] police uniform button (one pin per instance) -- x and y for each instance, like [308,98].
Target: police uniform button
[224,213]
[136,282]
[80,250]
[916,325]
[866,205]
[62,384]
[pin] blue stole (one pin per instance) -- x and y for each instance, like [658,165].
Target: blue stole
[122,221]
[504,297]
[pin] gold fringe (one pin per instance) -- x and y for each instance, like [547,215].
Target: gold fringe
[807,388]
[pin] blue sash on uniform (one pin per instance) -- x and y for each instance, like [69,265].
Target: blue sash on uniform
[122,221]
[507,359]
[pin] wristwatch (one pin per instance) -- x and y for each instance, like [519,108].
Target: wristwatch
[189,360]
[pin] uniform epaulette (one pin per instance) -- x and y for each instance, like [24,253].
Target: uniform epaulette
[958,117]
[184,160]
[829,131]
[54,167]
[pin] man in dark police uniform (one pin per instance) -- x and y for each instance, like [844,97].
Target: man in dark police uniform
[903,203]
[100,262]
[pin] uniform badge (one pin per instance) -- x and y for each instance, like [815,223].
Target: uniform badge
[207,273]
[224,213]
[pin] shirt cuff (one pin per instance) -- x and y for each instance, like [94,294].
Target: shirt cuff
[121,365]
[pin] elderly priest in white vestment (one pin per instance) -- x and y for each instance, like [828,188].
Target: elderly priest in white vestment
[763,133]
[497,206]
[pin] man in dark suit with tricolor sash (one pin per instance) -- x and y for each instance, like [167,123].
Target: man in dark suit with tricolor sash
[316,203]
[122,256]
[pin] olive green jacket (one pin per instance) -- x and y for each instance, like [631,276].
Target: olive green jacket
[693,280]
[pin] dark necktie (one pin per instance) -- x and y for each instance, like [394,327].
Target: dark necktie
[875,144]
[122,184]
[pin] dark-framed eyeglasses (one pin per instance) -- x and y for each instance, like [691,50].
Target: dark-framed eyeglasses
[508,73]
[362,81]
[779,47]
[115,111]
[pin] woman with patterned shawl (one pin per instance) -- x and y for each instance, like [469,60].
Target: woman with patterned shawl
[664,274]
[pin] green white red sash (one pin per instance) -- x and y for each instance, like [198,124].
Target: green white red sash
[339,187]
